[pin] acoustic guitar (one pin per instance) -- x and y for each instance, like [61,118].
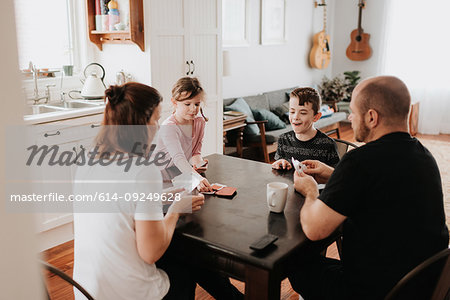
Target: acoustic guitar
[320,54]
[359,48]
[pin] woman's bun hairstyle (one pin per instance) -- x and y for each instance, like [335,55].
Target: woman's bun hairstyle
[115,94]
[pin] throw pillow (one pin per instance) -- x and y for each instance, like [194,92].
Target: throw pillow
[241,106]
[282,111]
[273,121]
[326,111]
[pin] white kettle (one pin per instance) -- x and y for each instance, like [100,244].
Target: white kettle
[93,86]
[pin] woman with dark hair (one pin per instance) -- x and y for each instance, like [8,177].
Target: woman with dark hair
[121,232]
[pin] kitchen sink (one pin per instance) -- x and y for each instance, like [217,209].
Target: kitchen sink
[70,105]
[59,107]
[39,109]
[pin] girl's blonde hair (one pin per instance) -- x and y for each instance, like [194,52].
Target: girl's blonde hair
[187,88]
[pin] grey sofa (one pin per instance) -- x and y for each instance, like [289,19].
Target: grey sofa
[270,101]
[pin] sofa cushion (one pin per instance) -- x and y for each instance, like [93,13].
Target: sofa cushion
[257,101]
[336,117]
[282,111]
[278,132]
[242,106]
[228,101]
[276,98]
[270,139]
[273,121]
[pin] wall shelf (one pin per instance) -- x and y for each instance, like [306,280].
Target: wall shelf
[133,36]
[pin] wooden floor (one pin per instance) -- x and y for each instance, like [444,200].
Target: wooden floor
[62,255]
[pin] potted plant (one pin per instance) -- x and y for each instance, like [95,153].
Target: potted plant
[339,88]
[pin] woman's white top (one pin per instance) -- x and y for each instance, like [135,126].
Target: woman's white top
[107,263]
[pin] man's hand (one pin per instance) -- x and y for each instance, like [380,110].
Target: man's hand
[306,185]
[320,171]
[281,164]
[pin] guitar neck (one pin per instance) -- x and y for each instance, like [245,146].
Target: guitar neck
[361,5]
[324,16]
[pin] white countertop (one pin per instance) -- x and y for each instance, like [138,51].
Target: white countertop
[63,114]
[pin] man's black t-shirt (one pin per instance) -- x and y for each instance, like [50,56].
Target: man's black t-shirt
[390,190]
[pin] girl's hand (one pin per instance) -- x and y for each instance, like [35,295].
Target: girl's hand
[203,168]
[204,186]
[281,164]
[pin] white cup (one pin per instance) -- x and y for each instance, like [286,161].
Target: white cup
[277,196]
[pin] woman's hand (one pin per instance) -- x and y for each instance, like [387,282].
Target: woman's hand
[204,186]
[187,204]
[320,171]
[281,164]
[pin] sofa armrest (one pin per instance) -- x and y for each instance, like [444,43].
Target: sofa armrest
[258,122]
[262,129]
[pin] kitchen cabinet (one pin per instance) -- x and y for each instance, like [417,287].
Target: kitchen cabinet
[185,40]
[135,34]
[69,135]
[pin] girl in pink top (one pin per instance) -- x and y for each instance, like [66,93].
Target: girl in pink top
[181,134]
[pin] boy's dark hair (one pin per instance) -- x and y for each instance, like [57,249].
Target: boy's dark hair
[307,95]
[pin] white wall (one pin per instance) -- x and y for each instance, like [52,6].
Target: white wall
[19,274]
[259,68]
[345,21]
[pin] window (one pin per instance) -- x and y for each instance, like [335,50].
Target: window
[415,49]
[44,33]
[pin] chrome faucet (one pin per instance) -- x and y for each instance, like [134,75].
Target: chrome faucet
[36,98]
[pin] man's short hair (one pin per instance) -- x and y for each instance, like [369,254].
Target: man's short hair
[389,97]
[307,95]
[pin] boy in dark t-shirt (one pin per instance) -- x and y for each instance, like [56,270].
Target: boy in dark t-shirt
[304,141]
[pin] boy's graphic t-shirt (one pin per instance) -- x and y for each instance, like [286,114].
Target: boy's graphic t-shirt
[321,147]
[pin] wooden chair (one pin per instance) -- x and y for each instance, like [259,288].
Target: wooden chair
[343,147]
[260,140]
[429,280]
[66,278]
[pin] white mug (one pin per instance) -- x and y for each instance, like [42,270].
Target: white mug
[277,196]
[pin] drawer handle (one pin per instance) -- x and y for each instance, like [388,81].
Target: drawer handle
[95,125]
[52,134]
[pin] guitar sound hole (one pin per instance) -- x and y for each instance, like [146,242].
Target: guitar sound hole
[358,38]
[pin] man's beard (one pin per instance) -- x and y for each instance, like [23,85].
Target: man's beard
[362,132]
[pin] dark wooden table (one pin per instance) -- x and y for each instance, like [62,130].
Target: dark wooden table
[219,235]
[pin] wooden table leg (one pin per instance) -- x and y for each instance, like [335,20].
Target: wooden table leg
[240,141]
[224,141]
[261,284]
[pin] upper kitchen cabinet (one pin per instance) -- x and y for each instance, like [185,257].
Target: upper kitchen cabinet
[185,40]
[135,34]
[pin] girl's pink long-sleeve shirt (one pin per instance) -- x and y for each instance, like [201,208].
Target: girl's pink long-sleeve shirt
[180,147]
